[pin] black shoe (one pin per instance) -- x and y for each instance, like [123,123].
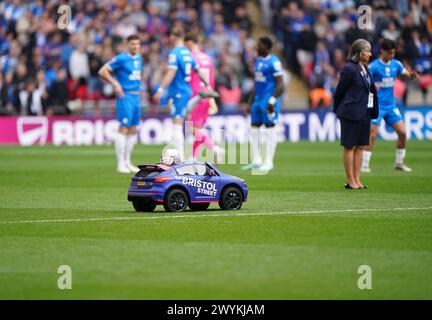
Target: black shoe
[348,186]
[364,187]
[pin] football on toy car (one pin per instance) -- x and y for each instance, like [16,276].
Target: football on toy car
[177,187]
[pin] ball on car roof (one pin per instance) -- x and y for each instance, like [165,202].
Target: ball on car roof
[170,157]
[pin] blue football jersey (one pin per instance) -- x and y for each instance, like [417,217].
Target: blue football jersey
[127,70]
[384,76]
[266,69]
[181,59]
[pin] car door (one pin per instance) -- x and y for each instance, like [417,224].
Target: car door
[207,185]
[186,175]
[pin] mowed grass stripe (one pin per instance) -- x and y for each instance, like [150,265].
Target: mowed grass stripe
[236,214]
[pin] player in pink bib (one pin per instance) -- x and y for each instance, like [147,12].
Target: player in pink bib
[201,100]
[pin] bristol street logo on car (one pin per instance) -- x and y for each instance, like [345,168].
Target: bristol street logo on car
[203,187]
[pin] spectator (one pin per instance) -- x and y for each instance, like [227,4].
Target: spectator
[319,97]
[31,99]
[219,36]
[19,81]
[79,62]
[242,19]
[58,93]
[322,68]
[95,63]
[206,17]
[6,95]
[42,88]
[9,61]
[53,48]
[391,32]
[125,28]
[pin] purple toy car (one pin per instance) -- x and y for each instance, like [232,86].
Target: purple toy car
[188,184]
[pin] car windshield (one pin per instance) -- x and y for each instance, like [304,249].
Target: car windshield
[186,170]
[202,170]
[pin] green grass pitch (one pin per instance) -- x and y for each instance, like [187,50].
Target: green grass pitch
[301,235]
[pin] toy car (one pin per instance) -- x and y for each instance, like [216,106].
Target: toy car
[194,185]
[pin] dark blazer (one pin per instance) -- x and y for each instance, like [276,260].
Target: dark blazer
[352,95]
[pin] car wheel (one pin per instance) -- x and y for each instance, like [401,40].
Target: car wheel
[199,206]
[176,200]
[145,205]
[231,199]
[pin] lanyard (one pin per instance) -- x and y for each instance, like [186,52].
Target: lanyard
[367,77]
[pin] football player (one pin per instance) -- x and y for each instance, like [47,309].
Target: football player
[384,71]
[123,72]
[264,106]
[176,83]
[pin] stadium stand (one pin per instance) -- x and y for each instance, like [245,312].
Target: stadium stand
[315,36]
[46,70]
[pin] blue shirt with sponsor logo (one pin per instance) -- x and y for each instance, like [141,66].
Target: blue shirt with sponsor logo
[181,59]
[127,70]
[384,75]
[266,69]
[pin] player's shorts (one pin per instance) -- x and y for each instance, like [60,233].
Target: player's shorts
[129,110]
[177,102]
[390,116]
[259,113]
[200,113]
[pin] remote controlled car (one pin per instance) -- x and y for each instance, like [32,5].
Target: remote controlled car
[178,186]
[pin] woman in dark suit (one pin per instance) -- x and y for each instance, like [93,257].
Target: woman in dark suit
[355,103]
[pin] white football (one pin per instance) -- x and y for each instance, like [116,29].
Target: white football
[170,157]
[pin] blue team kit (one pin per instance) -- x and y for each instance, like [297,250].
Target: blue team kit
[266,69]
[194,185]
[384,76]
[127,70]
[179,91]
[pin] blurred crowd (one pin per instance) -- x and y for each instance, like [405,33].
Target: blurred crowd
[315,36]
[47,69]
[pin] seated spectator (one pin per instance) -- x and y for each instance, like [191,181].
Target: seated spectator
[319,97]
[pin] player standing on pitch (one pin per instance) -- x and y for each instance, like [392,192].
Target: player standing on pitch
[384,71]
[126,68]
[264,105]
[199,108]
[176,81]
